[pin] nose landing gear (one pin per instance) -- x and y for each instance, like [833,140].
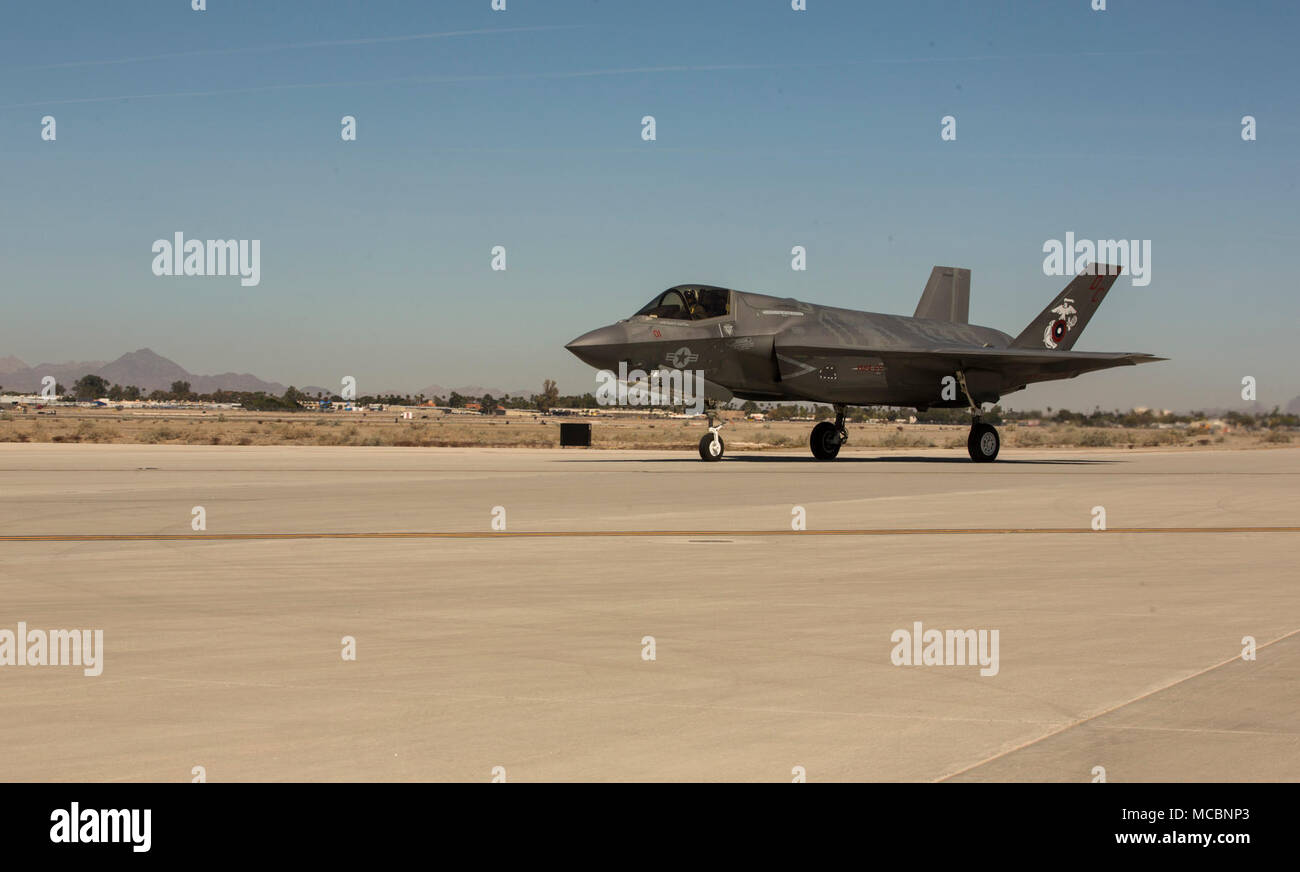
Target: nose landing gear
[711,446]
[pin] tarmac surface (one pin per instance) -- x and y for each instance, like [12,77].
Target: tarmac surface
[479,648]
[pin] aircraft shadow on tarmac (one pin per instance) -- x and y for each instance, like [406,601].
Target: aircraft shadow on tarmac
[759,458]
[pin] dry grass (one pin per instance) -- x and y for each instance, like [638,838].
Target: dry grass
[433,429]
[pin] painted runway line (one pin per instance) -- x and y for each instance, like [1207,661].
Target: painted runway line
[590,534]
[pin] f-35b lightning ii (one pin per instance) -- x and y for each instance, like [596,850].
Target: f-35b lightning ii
[768,349]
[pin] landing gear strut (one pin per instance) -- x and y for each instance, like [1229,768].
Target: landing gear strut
[827,438]
[711,446]
[983,442]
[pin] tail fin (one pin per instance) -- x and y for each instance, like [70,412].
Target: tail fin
[1059,325]
[946,296]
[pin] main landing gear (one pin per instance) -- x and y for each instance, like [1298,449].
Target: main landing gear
[827,438]
[711,446]
[983,442]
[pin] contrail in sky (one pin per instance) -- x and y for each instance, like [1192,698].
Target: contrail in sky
[332,43]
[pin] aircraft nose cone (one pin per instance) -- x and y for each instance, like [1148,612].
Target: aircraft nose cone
[587,340]
[594,347]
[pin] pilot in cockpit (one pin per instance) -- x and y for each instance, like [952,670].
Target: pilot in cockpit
[689,304]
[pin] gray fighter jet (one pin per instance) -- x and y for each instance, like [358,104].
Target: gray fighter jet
[764,348]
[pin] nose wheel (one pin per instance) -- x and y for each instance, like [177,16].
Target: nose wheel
[711,446]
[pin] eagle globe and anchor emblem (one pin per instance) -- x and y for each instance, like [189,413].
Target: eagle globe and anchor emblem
[1066,317]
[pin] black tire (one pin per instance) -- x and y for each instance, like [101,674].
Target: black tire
[825,441]
[983,443]
[706,448]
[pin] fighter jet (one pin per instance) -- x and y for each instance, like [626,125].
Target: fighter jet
[770,349]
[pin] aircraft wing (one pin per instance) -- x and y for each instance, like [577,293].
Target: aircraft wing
[1025,365]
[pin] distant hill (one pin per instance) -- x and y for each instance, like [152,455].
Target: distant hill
[10,364]
[1293,407]
[146,369]
[150,371]
[28,379]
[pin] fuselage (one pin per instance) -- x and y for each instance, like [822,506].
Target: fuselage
[740,350]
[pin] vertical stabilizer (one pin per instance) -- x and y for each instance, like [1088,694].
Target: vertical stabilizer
[1058,326]
[946,296]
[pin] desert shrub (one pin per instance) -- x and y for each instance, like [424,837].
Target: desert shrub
[296,431]
[898,439]
[1096,439]
[1030,436]
[161,433]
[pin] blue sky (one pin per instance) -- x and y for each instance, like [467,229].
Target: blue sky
[775,128]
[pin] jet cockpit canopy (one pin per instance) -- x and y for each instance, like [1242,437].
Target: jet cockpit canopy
[689,303]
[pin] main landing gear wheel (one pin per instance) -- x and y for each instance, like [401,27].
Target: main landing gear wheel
[983,443]
[825,441]
[711,447]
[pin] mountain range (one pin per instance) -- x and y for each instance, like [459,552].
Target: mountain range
[150,371]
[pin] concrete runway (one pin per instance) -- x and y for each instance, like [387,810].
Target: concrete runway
[1117,649]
